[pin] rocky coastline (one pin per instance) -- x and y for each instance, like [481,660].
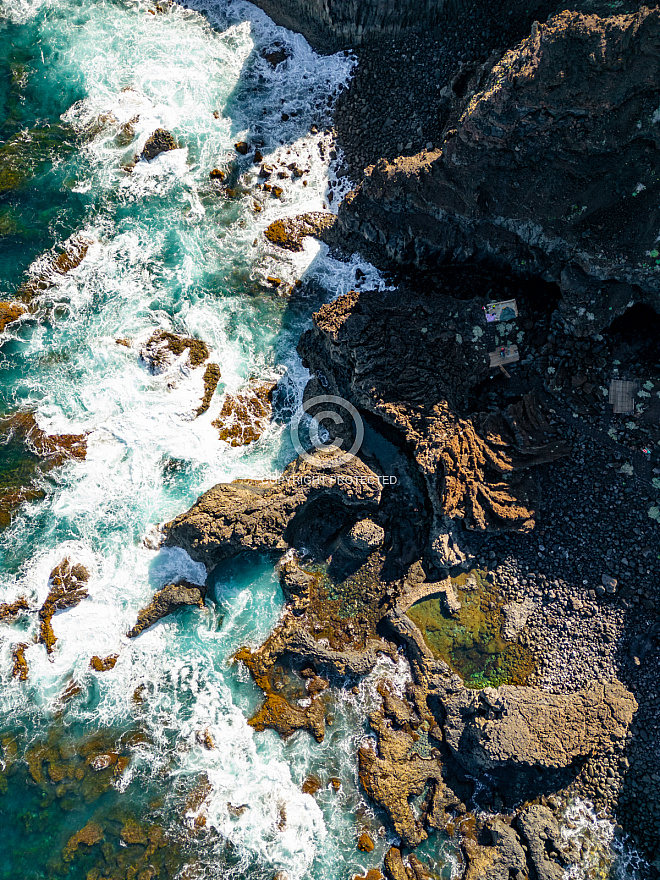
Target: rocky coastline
[496,530]
[522,512]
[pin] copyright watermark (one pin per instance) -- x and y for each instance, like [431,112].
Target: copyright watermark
[340,423]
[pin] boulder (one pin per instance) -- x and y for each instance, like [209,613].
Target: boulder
[161,141]
[516,615]
[365,537]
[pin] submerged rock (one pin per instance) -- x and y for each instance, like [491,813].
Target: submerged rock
[91,834]
[27,152]
[163,347]
[51,268]
[36,453]
[165,601]
[161,141]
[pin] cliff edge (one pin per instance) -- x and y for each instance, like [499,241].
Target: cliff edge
[548,166]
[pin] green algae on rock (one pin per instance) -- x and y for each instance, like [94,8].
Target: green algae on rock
[470,641]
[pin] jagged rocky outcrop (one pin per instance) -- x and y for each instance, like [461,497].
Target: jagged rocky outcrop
[164,602]
[68,587]
[163,348]
[289,232]
[161,141]
[311,501]
[548,166]
[245,415]
[410,360]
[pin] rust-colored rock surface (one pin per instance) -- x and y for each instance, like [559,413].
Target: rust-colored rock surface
[408,359]
[67,589]
[245,416]
[10,312]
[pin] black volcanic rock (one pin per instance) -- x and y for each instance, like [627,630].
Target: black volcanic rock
[548,166]
[161,141]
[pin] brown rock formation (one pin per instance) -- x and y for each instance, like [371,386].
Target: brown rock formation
[263,516]
[548,166]
[289,232]
[67,589]
[164,602]
[527,727]
[20,669]
[245,416]
[103,664]
[48,270]
[91,834]
[402,358]
[10,312]
[211,378]
[161,141]
[41,453]
[13,609]
[163,347]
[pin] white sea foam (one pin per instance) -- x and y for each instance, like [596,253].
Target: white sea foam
[167,251]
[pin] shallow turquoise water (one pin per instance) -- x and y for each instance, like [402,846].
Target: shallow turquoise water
[166,250]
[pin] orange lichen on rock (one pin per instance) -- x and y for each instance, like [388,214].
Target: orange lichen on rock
[288,233]
[10,312]
[21,668]
[89,835]
[245,416]
[12,609]
[212,376]
[103,664]
[67,589]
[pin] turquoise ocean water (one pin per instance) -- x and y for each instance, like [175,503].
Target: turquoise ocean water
[167,249]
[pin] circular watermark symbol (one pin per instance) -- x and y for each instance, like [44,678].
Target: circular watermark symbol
[345,420]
